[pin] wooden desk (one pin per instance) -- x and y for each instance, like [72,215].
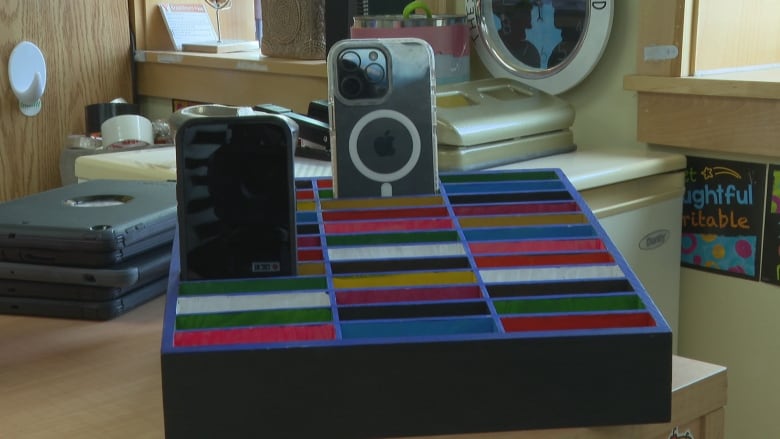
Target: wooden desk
[77,379]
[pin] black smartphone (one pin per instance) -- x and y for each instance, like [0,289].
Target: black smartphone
[236,197]
[382,117]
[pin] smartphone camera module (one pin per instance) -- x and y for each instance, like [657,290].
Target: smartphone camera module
[362,74]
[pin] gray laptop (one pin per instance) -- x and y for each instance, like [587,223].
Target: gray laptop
[83,309]
[129,273]
[92,224]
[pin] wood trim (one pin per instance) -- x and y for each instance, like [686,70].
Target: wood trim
[664,22]
[757,85]
[713,123]
[714,424]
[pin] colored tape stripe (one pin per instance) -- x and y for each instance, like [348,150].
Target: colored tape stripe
[388,226]
[506,209]
[310,254]
[405,264]
[540,246]
[324,183]
[308,241]
[249,302]
[253,318]
[591,321]
[415,311]
[304,194]
[311,269]
[305,206]
[395,251]
[393,238]
[371,214]
[307,229]
[580,272]
[522,197]
[542,259]
[456,292]
[299,283]
[579,286]
[306,217]
[404,279]
[388,202]
[568,305]
[418,328]
[522,220]
[541,232]
[278,334]
[503,187]
[325,194]
[498,176]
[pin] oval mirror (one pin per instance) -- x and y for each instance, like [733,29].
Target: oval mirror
[549,44]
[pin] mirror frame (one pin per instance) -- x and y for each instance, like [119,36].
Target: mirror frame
[557,79]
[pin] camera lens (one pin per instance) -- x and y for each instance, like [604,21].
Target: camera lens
[350,61]
[375,73]
[351,86]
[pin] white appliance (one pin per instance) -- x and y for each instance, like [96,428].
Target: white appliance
[636,195]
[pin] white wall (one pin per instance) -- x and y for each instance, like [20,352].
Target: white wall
[605,113]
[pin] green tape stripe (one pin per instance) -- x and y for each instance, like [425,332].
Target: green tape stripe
[326,194]
[500,176]
[393,238]
[301,283]
[569,305]
[253,318]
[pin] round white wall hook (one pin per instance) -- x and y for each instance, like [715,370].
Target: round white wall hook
[27,75]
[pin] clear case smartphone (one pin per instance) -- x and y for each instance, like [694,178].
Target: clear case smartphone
[382,117]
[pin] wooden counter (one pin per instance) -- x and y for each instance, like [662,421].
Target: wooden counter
[78,379]
[241,78]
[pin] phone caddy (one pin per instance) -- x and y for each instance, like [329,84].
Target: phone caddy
[236,201]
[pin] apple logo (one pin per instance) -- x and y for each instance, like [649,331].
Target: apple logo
[383,145]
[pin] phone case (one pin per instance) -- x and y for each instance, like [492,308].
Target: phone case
[236,197]
[382,117]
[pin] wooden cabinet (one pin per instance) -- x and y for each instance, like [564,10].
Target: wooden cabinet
[86,45]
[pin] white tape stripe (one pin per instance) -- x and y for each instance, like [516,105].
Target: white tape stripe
[250,302]
[580,272]
[395,251]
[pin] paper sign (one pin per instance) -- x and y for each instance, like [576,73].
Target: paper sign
[770,263]
[723,216]
[187,23]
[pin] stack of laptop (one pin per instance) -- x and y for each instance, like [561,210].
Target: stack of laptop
[92,251]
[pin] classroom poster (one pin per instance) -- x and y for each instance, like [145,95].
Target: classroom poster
[770,267]
[723,216]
